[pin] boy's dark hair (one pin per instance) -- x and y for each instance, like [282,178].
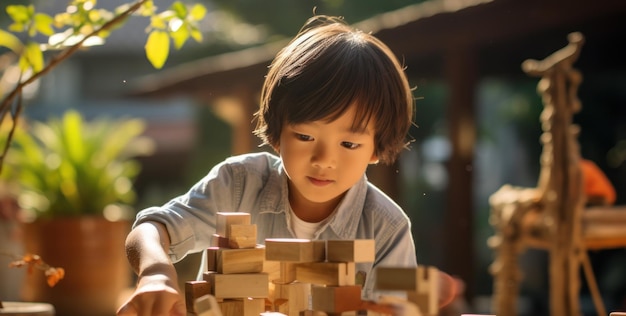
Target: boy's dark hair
[327,68]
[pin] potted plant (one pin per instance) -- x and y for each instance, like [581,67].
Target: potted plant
[75,182]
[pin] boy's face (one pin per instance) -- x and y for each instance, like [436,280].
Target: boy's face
[324,159]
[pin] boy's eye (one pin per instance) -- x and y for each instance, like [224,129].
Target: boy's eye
[303,137]
[350,145]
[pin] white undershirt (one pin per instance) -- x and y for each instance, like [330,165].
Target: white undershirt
[302,229]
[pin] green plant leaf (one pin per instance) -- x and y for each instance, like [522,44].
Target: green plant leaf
[20,13]
[10,41]
[157,48]
[32,57]
[180,36]
[198,12]
[180,9]
[43,24]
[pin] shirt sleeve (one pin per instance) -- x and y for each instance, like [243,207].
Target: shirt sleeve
[394,248]
[190,219]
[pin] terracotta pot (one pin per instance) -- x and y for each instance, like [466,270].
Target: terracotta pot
[91,250]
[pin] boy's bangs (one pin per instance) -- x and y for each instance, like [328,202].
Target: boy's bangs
[335,84]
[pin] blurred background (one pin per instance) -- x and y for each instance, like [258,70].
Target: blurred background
[476,126]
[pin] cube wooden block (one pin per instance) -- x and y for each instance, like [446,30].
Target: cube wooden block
[242,236]
[229,261]
[219,241]
[326,273]
[225,219]
[242,307]
[291,298]
[358,250]
[336,299]
[193,291]
[426,302]
[418,279]
[295,250]
[255,285]
[206,306]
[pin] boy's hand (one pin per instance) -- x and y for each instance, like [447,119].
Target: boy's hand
[155,295]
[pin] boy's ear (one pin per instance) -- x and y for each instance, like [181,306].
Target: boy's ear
[374,159]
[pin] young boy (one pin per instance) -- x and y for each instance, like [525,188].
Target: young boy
[334,101]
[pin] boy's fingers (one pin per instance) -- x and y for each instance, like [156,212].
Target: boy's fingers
[127,310]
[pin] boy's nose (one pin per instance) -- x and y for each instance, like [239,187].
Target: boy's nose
[323,157]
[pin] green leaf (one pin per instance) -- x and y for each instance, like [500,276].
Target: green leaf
[157,48]
[34,56]
[43,24]
[198,12]
[180,36]
[157,22]
[19,13]
[10,41]
[196,34]
[180,9]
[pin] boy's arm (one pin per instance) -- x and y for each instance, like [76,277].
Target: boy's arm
[157,291]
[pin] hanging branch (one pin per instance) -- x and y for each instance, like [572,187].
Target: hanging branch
[5,106]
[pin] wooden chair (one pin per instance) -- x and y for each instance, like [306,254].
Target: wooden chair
[553,215]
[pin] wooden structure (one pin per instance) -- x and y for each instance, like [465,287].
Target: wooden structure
[457,41]
[553,215]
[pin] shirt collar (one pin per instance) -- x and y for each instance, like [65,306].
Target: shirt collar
[348,213]
[345,219]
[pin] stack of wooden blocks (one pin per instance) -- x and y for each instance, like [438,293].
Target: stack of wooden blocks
[323,270]
[235,276]
[312,278]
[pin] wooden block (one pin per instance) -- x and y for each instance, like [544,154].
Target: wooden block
[207,306]
[242,307]
[426,302]
[405,279]
[193,291]
[287,273]
[247,260]
[211,258]
[242,236]
[295,250]
[358,250]
[292,298]
[336,299]
[326,273]
[219,241]
[225,219]
[241,285]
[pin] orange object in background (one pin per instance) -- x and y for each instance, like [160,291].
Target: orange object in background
[597,186]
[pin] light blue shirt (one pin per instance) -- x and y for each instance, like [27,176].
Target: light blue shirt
[257,184]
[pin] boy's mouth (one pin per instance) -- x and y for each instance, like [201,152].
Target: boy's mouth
[319,182]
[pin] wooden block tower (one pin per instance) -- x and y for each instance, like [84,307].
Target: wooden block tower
[235,274]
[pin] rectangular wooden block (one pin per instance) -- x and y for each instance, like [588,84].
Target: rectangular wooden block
[193,291]
[229,261]
[326,273]
[293,298]
[255,285]
[295,250]
[242,307]
[406,278]
[242,236]
[225,219]
[358,250]
[336,299]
